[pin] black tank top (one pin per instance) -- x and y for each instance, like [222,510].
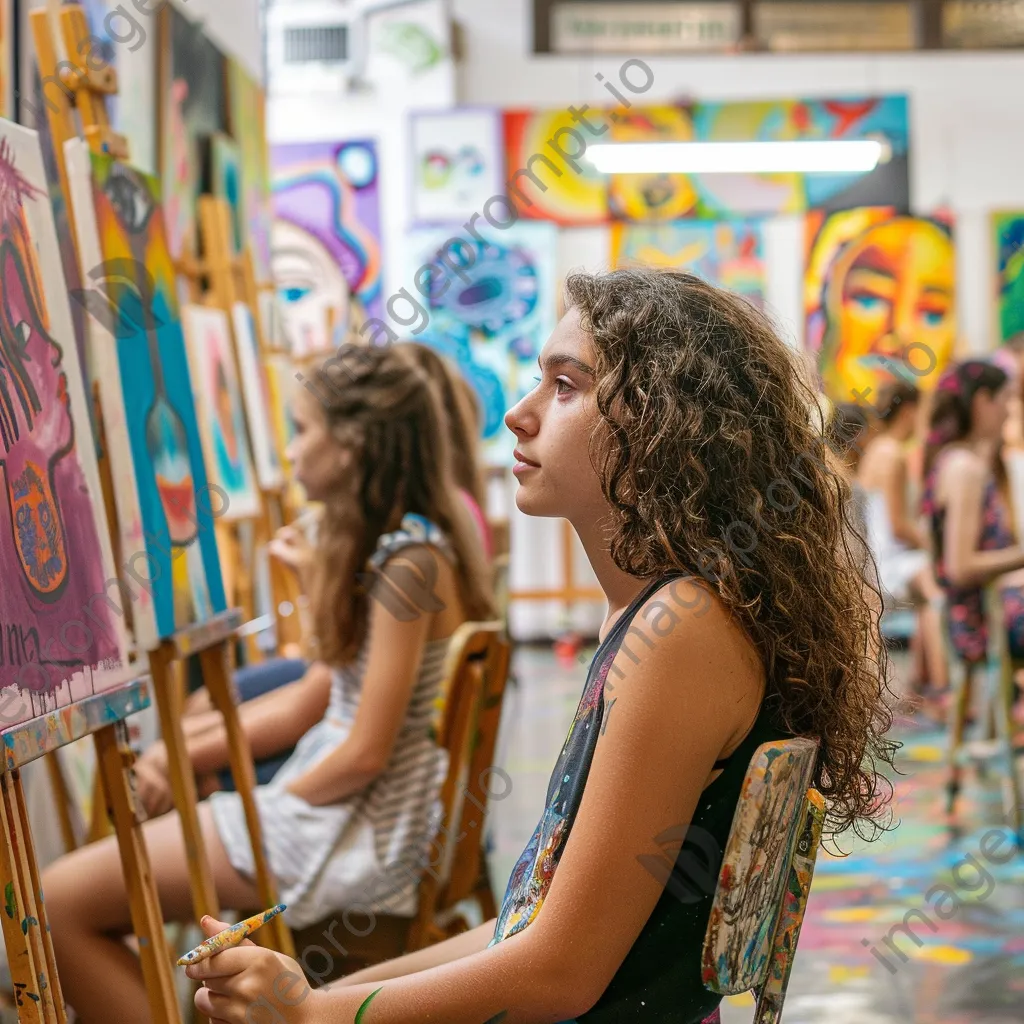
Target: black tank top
[660,978]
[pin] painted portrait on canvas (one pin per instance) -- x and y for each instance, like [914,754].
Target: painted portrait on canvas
[219,405]
[61,639]
[326,241]
[728,254]
[880,298]
[156,456]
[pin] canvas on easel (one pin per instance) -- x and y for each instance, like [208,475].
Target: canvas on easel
[63,635]
[229,461]
[256,390]
[138,348]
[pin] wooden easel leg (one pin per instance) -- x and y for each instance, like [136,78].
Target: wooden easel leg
[220,684]
[162,663]
[18,806]
[113,761]
[26,970]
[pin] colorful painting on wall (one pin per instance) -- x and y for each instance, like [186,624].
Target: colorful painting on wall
[229,462]
[1008,229]
[59,643]
[457,164]
[192,79]
[166,507]
[652,197]
[550,177]
[226,182]
[880,298]
[724,195]
[492,306]
[729,254]
[247,121]
[326,240]
[280,383]
[256,394]
[542,185]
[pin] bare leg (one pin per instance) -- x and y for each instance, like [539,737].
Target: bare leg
[930,626]
[88,909]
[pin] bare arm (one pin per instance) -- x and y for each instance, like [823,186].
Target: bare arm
[466,944]
[273,722]
[393,660]
[894,487]
[966,565]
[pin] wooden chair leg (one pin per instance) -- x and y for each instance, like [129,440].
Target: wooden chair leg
[113,761]
[962,684]
[220,684]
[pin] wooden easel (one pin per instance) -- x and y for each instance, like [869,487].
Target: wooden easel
[25,927]
[211,640]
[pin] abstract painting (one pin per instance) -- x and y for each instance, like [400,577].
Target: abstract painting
[192,79]
[541,183]
[880,299]
[62,638]
[256,394]
[226,183]
[219,406]
[551,178]
[166,507]
[729,254]
[247,121]
[326,240]
[730,195]
[492,306]
[1008,229]
[652,197]
[457,164]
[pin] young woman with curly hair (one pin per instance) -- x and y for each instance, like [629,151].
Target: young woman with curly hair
[670,428]
[396,570]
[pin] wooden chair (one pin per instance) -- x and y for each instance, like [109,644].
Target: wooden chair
[765,878]
[476,671]
[999,672]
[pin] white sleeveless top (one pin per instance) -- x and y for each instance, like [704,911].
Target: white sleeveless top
[366,852]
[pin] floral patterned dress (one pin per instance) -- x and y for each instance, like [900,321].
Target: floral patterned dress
[968,625]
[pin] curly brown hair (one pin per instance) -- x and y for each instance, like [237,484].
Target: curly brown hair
[385,409]
[714,464]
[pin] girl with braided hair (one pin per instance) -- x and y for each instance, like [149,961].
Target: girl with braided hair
[397,568]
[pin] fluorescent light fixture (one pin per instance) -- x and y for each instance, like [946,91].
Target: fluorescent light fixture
[814,157]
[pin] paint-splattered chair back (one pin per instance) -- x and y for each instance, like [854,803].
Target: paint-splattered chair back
[765,877]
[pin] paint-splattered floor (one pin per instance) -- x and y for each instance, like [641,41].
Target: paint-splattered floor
[967,887]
